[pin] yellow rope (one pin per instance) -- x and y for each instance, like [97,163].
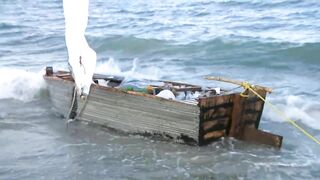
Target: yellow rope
[248,86]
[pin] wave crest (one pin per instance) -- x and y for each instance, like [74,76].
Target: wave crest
[20,84]
[297,108]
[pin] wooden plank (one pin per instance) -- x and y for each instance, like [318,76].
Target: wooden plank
[214,117]
[216,113]
[215,125]
[131,102]
[134,113]
[159,119]
[250,117]
[209,102]
[261,137]
[214,135]
[209,124]
[259,106]
[236,117]
[236,82]
[60,95]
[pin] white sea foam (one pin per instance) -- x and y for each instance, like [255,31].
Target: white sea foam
[112,67]
[108,67]
[296,108]
[20,84]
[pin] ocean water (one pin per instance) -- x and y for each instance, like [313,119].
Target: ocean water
[271,43]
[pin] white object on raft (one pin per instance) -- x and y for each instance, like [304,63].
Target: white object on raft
[218,90]
[82,58]
[167,94]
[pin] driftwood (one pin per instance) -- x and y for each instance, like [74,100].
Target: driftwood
[269,90]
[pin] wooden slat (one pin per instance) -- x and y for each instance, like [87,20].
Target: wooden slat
[135,113]
[257,136]
[236,117]
[213,113]
[214,135]
[215,101]
[214,117]
[215,125]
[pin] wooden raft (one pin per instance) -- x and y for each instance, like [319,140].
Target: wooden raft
[211,118]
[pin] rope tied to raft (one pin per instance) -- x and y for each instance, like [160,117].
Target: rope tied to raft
[72,106]
[248,87]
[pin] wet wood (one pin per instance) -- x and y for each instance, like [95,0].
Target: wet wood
[214,135]
[209,124]
[236,123]
[199,121]
[257,136]
[216,113]
[208,102]
[269,90]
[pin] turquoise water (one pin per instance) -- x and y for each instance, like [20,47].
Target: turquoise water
[275,44]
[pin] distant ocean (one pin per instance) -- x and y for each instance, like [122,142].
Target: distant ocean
[271,43]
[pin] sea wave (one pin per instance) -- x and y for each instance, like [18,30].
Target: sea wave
[25,85]
[113,67]
[307,52]
[298,108]
[10,26]
[20,84]
[217,48]
[127,44]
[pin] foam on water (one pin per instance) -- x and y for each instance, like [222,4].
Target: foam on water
[261,20]
[26,85]
[20,84]
[112,67]
[297,108]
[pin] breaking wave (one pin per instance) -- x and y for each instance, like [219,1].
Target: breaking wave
[297,108]
[113,67]
[20,84]
[27,85]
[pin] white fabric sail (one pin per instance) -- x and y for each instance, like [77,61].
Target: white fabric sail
[82,58]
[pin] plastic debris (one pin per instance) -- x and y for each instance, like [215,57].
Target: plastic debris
[167,94]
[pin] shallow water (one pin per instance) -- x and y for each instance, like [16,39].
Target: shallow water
[274,44]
